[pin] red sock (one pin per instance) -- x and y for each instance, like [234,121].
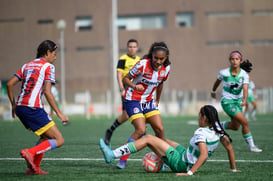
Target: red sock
[124,157]
[38,159]
[41,148]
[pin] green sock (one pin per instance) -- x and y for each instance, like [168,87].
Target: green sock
[132,147]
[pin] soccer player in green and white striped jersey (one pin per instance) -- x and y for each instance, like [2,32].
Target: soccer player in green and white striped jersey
[182,160]
[234,95]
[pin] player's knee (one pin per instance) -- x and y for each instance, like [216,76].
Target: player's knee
[235,127]
[59,141]
[140,131]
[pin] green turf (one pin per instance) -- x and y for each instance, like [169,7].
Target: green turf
[81,141]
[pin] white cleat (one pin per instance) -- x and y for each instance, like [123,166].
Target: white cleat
[255,149]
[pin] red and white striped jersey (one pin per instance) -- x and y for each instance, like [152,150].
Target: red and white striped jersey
[143,73]
[33,75]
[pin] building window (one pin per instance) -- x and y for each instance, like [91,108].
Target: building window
[89,48]
[262,12]
[261,42]
[83,23]
[225,43]
[185,19]
[12,20]
[45,21]
[155,21]
[224,14]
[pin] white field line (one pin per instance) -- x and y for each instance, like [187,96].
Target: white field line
[101,159]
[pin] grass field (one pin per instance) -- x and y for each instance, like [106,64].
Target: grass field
[81,159]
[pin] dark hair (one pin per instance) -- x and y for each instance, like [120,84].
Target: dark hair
[212,115]
[132,41]
[246,65]
[44,47]
[156,46]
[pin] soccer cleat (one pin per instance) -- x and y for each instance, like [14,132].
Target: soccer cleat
[38,172]
[107,152]
[255,149]
[29,159]
[108,135]
[121,164]
[164,167]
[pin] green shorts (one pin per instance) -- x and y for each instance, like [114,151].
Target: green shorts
[231,107]
[250,98]
[174,159]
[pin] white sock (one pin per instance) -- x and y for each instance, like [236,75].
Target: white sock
[249,139]
[253,114]
[121,151]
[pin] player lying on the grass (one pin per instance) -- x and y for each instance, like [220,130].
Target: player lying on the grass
[183,161]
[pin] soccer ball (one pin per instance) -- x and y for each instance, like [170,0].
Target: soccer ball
[152,163]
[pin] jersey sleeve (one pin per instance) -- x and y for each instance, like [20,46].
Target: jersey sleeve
[19,74]
[246,78]
[199,135]
[220,75]
[137,69]
[167,73]
[121,65]
[50,73]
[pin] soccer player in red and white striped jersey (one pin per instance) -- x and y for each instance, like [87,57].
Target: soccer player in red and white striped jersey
[146,77]
[37,77]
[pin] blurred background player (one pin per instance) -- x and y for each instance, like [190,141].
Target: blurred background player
[180,159]
[234,95]
[55,92]
[37,77]
[125,63]
[251,99]
[147,76]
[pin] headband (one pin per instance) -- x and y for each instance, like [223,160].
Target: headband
[235,54]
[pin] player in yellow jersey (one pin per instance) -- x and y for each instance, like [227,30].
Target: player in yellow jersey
[125,63]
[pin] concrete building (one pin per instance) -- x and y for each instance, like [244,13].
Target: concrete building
[200,34]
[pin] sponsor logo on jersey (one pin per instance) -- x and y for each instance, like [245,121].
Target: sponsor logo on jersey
[149,82]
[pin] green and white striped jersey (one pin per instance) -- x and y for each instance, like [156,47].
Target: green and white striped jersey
[233,85]
[206,135]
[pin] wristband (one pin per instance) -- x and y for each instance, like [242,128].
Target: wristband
[189,172]
[121,89]
[233,170]
[213,92]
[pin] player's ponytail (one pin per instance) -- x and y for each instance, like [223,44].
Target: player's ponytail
[246,65]
[156,46]
[212,115]
[44,47]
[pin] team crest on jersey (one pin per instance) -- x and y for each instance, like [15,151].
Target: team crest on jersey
[136,110]
[162,73]
[241,79]
[233,109]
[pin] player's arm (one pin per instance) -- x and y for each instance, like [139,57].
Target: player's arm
[11,83]
[245,94]
[158,92]
[120,83]
[200,161]
[231,155]
[214,88]
[127,80]
[50,99]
